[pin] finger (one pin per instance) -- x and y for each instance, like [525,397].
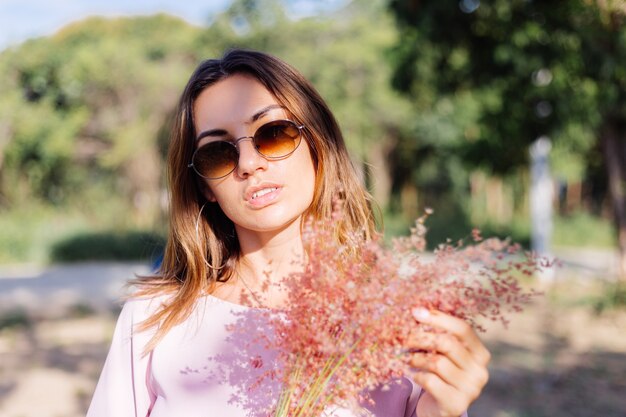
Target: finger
[444,344]
[441,366]
[456,327]
[454,365]
[454,401]
[447,345]
[463,379]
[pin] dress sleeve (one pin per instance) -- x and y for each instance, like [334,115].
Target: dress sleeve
[123,388]
[397,399]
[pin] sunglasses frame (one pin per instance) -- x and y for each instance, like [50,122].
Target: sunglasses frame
[235,142]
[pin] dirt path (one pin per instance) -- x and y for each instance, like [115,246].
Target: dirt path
[55,327]
[555,361]
[47,290]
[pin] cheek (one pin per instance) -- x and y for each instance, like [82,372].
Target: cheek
[312,181]
[221,196]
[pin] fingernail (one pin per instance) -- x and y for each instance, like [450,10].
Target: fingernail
[420,314]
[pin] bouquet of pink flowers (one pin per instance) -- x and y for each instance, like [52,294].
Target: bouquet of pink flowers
[349,315]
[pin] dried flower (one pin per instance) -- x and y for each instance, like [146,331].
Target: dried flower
[349,317]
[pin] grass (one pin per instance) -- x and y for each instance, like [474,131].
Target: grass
[583,230]
[29,232]
[594,294]
[42,234]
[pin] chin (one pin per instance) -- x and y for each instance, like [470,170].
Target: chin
[275,223]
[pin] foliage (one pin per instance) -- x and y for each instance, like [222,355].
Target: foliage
[17,318]
[86,104]
[533,69]
[520,70]
[28,233]
[613,297]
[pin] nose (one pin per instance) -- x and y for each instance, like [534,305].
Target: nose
[250,161]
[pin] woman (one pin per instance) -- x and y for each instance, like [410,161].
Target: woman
[254,152]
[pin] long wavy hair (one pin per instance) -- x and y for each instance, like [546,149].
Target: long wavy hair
[202,246]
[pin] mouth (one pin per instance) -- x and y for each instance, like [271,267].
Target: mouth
[262,192]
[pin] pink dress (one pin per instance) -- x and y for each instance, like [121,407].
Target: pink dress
[196,370]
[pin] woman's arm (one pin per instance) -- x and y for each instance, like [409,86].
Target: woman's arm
[452,364]
[122,390]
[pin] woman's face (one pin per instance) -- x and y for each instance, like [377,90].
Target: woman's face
[260,195]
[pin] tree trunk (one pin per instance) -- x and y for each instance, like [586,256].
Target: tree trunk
[613,141]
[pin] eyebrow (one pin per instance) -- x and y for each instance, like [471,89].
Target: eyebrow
[256,116]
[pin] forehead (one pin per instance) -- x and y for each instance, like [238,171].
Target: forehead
[231,101]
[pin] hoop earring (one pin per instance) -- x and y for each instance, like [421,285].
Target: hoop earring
[198,238]
[198,221]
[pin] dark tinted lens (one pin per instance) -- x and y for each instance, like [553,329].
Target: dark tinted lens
[277,139]
[215,159]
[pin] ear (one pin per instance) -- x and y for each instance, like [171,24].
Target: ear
[204,188]
[208,194]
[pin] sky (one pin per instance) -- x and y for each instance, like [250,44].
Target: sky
[23,19]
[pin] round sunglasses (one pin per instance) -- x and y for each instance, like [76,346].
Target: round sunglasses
[274,140]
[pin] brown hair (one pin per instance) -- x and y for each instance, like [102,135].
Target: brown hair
[202,246]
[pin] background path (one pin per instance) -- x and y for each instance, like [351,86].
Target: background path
[53,288]
[99,284]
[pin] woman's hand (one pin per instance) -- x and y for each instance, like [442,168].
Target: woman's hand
[451,362]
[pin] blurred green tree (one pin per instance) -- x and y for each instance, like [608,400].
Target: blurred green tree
[83,106]
[524,69]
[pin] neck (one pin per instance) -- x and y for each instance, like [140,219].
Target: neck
[267,258]
[271,254]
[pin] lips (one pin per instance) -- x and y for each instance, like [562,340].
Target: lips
[262,193]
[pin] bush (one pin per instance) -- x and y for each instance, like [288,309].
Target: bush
[129,245]
[455,226]
[14,319]
[613,297]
